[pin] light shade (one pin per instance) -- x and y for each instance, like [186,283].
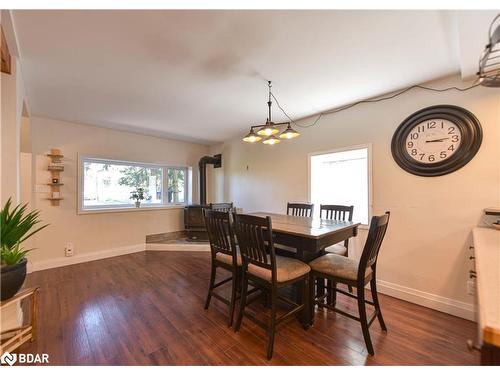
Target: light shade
[271,140]
[268,130]
[289,133]
[252,137]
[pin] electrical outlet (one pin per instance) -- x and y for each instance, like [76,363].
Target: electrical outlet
[471,287]
[69,249]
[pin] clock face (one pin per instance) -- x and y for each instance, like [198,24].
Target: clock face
[432,141]
[436,140]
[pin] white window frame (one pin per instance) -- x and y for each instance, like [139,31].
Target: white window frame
[367,146]
[131,207]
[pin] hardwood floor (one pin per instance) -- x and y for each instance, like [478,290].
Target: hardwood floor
[147,309]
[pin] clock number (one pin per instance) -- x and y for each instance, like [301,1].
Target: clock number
[421,156]
[451,148]
[442,124]
[421,128]
[414,151]
[454,138]
[451,130]
[442,154]
[410,144]
[431,158]
[431,125]
[414,136]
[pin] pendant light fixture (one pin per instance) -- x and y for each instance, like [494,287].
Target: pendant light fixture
[289,133]
[252,137]
[271,140]
[270,129]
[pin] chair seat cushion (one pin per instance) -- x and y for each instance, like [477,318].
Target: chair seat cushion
[224,258]
[338,266]
[338,248]
[286,269]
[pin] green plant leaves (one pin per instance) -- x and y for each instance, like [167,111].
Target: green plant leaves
[16,226]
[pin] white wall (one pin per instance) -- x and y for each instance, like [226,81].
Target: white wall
[425,255]
[110,233]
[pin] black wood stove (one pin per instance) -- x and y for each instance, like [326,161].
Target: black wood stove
[194,223]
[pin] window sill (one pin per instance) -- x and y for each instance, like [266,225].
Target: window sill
[127,209]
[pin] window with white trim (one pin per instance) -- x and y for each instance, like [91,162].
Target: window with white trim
[342,177]
[109,184]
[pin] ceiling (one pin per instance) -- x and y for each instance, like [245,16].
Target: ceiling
[201,75]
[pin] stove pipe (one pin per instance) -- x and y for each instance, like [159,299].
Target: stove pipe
[216,160]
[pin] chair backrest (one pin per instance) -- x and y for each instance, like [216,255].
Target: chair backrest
[220,232]
[255,240]
[300,209]
[376,234]
[226,207]
[336,212]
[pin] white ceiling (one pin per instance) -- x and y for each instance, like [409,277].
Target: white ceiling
[200,75]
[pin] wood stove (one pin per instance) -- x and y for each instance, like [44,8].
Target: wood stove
[194,223]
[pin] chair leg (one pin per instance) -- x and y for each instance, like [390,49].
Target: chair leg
[332,293]
[272,324]
[320,286]
[363,320]
[243,301]
[373,287]
[234,286]
[312,298]
[347,256]
[305,319]
[211,285]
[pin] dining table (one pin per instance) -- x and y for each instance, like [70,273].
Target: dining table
[308,236]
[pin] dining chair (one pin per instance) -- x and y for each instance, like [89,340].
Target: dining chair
[269,271]
[224,254]
[343,270]
[337,212]
[300,209]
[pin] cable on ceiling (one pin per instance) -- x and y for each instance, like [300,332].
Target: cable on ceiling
[375,100]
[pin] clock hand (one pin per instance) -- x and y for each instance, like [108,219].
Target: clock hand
[437,140]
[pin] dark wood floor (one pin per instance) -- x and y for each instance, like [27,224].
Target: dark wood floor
[147,308]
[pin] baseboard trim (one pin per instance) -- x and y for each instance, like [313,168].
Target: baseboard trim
[432,301]
[177,247]
[82,258]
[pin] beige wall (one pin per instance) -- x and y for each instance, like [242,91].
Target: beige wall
[424,257]
[99,232]
[11,96]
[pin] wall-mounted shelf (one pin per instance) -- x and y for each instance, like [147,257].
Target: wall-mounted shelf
[55,167]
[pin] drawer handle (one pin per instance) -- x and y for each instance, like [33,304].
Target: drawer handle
[472,257]
[471,346]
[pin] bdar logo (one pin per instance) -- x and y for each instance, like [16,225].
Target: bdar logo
[8,358]
[23,358]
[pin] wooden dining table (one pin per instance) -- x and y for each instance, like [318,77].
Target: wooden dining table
[308,236]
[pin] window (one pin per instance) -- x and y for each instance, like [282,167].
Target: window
[342,177]
[108,184]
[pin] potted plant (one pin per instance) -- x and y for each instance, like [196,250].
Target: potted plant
[138,195]
[16,226]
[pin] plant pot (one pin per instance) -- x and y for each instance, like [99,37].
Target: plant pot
[12,279]
[137,204]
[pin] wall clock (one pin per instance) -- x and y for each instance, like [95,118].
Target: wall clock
[436,140]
